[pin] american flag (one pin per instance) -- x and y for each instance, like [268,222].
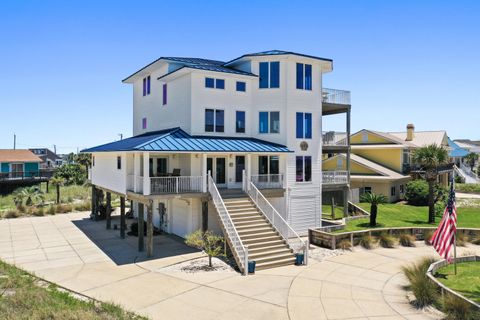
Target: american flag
[443,239]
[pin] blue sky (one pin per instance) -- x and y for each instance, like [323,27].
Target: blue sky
[404,61]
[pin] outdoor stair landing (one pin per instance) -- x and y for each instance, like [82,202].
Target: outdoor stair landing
[265,246]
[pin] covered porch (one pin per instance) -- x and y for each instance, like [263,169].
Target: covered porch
[163,173]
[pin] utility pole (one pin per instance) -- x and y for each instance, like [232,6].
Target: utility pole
[14,141]
[121,136]
[55,148]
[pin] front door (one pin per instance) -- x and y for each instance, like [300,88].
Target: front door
[218,168]
[17,170]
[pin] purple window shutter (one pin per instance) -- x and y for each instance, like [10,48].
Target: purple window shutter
[144,86]
[148,85]
[144,123]
[165,94]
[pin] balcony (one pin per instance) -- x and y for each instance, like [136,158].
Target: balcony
[176,185]
[334,139]
[27,176]
[335,101]
[335,177]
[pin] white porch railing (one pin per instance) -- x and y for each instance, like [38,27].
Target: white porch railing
[335,177]
[268,181]
[181,184]
[332,138]
[238,248]
[276,220]
[335,96]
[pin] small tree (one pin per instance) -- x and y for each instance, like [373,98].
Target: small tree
[18,197]
[471,159]
[57,182]
[32,195]
[374,200]
[208,242]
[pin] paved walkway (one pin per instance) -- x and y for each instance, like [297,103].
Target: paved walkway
[81,255]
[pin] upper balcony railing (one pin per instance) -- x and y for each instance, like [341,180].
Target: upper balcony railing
[180,184]
[335,96]
[267,181]
[332,138]
[335,177]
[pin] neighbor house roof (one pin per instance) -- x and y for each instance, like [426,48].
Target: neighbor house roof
[455,150]
[18,155]
[422,138]
[177,140]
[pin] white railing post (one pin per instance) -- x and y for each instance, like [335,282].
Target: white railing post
[177,182]
[146,173]
[245,270]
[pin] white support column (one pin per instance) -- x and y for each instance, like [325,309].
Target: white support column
[136,171]
[146,173]
[248,167]
[204,172]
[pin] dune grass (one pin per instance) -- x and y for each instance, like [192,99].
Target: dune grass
[402,215]
[24,297]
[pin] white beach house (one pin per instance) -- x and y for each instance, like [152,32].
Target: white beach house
[255,124]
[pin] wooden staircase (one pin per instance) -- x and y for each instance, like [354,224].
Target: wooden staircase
[265,246]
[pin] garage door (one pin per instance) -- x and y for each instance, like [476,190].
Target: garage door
[180,218]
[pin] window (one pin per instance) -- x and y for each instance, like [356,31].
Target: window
[364,136]
[268,165]
[269,75]
[164,91]
[402,189]
[144,123]
[393,191]
[219,83]
[269,122]
[119,163]
[93,161]
[303,168]
[366,190]
[214,120]
[339,163]
[304,125]
[406,156]
[240,122]
[209,83]
[304,76]
[214,83]
[241,86]
[146,86]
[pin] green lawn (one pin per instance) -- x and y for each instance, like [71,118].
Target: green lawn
[22,297]
[402,215]
[327,212]
[467,280]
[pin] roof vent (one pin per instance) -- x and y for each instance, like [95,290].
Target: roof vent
[410,132]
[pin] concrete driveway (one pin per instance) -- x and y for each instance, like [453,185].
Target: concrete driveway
[81,255]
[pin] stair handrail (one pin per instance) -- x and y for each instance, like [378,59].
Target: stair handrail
[237,245]
[275,219]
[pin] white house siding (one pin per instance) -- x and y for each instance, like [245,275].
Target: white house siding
[106,174]
[176,113]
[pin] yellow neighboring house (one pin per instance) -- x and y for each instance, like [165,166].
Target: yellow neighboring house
[381,161]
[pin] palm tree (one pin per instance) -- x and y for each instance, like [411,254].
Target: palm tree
[471,159]
[374,200]
[57,182]
[430,158]
[32,195]
[18,197]
[84,159]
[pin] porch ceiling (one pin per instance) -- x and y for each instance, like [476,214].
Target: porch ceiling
[177,140]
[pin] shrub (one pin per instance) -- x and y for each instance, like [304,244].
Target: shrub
[427,236]
[83,206]
[416,193]
[36,211]
[63,208]
[423,288]
[51,210]
[11,214]
[72,174]
[467,187]
[407,240]
[475,241]
[345,244]
[462,239]
[458,309]
[366,242]
[386,240]
[21,208]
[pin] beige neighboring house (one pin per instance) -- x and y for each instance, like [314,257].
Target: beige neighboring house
[381,161]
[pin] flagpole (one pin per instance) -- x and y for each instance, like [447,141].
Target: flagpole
[455,234]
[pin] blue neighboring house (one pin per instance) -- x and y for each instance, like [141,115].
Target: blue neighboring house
[456,153]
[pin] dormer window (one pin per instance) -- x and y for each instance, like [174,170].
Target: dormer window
[269,75]
[146,86]
[304,76]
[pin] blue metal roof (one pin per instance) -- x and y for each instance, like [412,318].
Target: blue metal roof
[276,53]
[456,150]
[215,68]
[176,139]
